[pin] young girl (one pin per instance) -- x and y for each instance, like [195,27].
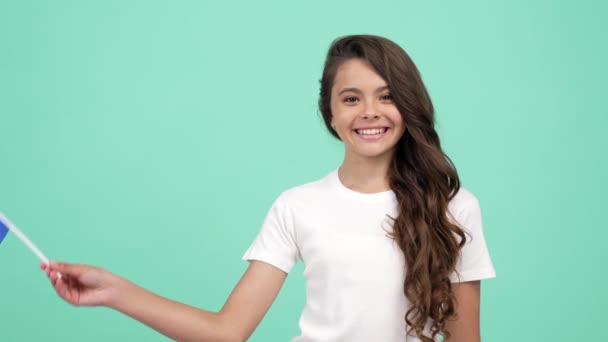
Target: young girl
[392,246]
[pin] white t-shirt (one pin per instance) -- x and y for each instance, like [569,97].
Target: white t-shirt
[354,272]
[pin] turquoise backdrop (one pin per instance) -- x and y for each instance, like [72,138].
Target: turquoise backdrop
[151,137]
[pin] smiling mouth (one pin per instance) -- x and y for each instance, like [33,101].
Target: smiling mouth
[372,131]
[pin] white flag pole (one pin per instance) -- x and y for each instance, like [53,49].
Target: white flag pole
[11,226]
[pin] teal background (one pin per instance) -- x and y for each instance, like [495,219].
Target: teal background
[151,137]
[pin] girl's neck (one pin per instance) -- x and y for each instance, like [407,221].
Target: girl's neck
[365,175]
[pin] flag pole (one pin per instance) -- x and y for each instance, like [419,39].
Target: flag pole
[13,228]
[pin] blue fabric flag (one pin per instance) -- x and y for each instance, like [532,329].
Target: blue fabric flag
[3,231]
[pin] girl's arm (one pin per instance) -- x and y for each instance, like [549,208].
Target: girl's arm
[465,327]
[84,285]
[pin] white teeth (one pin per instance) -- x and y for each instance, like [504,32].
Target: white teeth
[371,131]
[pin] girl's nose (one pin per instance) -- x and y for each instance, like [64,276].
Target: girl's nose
[368,115]
[370,110]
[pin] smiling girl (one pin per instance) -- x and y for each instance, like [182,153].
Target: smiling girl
[392,245]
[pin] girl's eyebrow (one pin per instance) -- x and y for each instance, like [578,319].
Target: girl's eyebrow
[358,91]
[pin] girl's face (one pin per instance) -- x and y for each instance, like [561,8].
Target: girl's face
[363,112]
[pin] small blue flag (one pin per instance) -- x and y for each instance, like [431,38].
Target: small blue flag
[3,231]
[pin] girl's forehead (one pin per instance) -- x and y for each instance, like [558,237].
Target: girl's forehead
[358,74]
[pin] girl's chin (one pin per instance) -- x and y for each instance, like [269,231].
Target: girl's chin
[371,153]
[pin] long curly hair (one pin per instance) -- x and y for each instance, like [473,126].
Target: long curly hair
[421,175]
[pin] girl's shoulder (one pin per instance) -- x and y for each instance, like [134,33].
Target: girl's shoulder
[463,195]
[311,190]
[463,200]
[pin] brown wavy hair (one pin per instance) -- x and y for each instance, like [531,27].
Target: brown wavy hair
[422,176]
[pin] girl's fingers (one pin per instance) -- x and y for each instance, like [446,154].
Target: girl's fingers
[60,284]
[56,278]
[74,270]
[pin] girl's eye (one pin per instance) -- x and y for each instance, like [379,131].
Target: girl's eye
[387,97]
[350,99]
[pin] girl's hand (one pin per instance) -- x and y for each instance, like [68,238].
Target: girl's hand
[81,285]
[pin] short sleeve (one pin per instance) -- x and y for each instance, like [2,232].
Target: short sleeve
[474,262]
[275,244]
